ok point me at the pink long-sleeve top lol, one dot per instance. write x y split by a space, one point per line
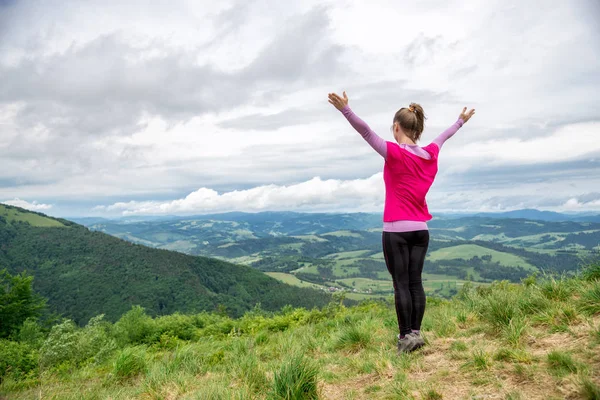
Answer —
408 173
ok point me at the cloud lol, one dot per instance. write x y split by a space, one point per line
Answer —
33 206
313 195
367 195
587 202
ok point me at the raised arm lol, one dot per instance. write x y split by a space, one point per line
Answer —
375 141
448 133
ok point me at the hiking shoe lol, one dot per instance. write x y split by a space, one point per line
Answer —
406 344
418 340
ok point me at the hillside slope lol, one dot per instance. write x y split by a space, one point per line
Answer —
85 273
539 340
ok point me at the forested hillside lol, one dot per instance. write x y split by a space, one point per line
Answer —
84 273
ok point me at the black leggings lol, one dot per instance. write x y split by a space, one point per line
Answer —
404 256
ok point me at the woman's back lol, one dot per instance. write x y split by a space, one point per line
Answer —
408 175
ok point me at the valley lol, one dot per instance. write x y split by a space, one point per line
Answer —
342 252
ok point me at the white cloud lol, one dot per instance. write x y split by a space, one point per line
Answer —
367 195
574 204
313 195
33 206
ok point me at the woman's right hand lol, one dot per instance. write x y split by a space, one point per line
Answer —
465 116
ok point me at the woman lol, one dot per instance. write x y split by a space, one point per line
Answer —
408 173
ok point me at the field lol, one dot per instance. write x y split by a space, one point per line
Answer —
291 279
534 341
467 251
31 218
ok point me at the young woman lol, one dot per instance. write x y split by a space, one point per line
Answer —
408 173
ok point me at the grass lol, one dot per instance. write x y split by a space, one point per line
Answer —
589 389
476 349
589 302
129 362
467 251
353 338
561 362
480 360
296 380
291 279
592 272
343 234
15 215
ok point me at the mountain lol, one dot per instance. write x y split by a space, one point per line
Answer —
343 251
84 273
532 214
226 235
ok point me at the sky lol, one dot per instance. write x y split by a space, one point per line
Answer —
112 108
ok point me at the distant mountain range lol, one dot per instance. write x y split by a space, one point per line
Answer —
369 218
538 215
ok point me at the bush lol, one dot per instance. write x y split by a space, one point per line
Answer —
61 344
31 333
68 343
16 359
135 327
176 325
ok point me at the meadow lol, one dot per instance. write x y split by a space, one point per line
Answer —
536 340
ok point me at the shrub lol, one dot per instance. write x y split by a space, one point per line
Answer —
175 325
61 344
31 333
68 343
134 327
16 359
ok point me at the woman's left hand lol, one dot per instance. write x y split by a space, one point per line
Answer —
338 101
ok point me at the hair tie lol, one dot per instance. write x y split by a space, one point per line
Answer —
412 109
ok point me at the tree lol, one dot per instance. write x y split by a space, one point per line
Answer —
18 301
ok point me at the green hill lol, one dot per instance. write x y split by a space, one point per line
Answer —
84 273
538 340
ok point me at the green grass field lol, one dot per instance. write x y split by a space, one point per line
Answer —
364 284
535 341
347 254
343 234
466 251
310 238
32 219
291 279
